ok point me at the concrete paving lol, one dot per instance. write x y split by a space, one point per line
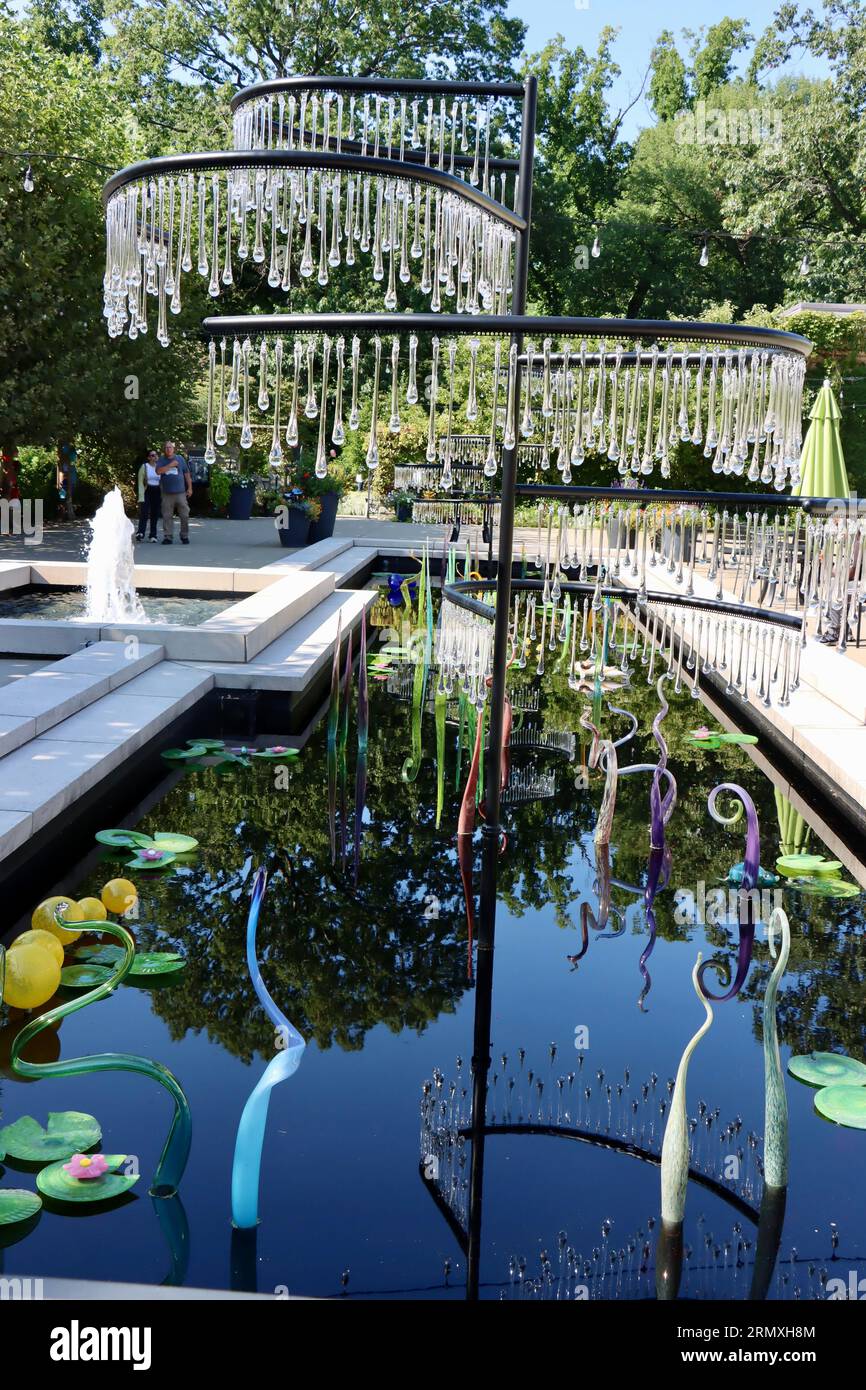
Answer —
230 544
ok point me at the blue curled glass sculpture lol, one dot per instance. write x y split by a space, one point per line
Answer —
748 884
251 1128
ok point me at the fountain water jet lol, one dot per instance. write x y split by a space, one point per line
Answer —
111 595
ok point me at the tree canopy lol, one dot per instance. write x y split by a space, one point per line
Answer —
764 169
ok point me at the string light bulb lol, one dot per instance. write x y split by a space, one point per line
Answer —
596 246
28 179
705 253
804 264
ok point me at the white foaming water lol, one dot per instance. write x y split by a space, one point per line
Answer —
111 595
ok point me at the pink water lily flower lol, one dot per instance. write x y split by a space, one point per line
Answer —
86 1166
152 853
702 732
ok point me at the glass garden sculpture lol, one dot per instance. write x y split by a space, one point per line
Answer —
363 736
775 1099
332 728
251 1128
749 881
675 1146
172 1161
841 1080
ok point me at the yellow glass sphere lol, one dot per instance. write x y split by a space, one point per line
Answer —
119 894
43 918
32 976
93 909
44 939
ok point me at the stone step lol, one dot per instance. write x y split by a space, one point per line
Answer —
296 658
42 779
311 557
346 565
38 702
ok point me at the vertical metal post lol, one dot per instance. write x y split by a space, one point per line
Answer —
491 830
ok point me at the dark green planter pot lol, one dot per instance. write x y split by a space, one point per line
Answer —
403 511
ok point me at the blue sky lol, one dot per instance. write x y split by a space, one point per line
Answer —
639 23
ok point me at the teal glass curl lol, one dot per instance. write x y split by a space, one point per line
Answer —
251 1128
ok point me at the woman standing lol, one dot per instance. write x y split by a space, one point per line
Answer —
149 496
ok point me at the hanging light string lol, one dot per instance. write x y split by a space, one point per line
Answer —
26 159
704 236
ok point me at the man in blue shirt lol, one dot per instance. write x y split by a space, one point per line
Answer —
176 483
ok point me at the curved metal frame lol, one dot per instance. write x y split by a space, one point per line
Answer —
215 161
460 594
480 324
375 85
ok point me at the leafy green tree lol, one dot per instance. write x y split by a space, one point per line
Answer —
581 163
713 54
668 87
60 376
218 42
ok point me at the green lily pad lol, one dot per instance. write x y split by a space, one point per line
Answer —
175 844
825 887
145 962
17 1204
844 1105
69 1132
166 858
84 976
157 963
830 1069
276 755
796 865
212 745
55 1182
737 738
122 839
197 750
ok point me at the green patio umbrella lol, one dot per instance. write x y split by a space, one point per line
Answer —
822 464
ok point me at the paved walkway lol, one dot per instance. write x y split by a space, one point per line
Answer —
225 544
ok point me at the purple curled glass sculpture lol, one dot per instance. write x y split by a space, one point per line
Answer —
751 869
251 1128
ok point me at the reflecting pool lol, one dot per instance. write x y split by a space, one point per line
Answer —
379 981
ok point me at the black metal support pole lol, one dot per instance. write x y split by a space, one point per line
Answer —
491 831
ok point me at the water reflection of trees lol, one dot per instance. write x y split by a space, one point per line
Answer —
821 1002
394 952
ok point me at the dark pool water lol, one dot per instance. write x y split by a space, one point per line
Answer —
64 605
375 978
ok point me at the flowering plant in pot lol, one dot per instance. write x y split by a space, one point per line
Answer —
327 491
401 499
295 517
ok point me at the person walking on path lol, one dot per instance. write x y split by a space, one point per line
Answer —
176 484
67 477
149 497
